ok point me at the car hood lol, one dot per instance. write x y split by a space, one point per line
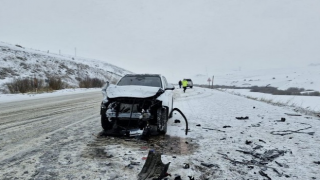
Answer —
131 91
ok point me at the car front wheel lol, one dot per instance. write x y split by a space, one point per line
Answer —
162 119
105 123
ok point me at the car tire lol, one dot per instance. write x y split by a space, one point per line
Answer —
105 123
191 87
162 119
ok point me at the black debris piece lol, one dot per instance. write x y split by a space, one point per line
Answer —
210 165
153 167
241 118
223 139
316 162
213 129
226 126
264 174
248 142
291 114
286 132
255 125
254 107
134 163
281 120
191 177
279 164
262 140
177 178
258 147
198 125
266 157
110 156
177 121
245 152
186 166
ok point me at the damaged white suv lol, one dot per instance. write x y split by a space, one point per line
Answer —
137 101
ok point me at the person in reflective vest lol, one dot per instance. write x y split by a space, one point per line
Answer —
184 85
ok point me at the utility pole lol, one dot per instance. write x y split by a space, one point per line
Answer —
212 81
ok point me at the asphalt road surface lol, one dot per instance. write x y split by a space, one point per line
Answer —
34 133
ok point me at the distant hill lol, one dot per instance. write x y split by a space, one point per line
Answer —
19 62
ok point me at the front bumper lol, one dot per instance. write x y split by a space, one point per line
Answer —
128 116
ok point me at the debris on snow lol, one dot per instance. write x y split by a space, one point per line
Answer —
186 166
264 174
286 132
209 165
262 140
255 125
281 120
241 118
316 162
213 129
153 167
291 114
258 147
134 163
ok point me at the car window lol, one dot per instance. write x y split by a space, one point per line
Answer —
165 82
152 81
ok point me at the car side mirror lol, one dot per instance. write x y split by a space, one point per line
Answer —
170 87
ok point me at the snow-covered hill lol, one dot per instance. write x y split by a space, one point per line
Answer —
17 61
282 78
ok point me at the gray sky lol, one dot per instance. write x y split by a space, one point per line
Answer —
177 38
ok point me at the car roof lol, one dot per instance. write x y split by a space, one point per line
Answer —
156 75
188 79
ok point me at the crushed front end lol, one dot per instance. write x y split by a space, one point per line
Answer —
131 113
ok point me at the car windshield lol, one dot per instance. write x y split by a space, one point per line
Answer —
152 81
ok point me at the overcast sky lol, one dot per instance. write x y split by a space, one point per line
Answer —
177 38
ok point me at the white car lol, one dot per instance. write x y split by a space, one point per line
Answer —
137 101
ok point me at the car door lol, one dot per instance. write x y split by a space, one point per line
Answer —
168 95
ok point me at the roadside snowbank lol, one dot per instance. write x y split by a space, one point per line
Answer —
4 98
311 103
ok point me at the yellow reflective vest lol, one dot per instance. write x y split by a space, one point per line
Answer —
184 83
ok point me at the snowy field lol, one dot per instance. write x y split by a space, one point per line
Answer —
283 78
62 139
310 103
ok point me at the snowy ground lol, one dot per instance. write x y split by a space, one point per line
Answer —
59 138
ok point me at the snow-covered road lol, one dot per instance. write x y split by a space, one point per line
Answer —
60 138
